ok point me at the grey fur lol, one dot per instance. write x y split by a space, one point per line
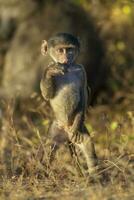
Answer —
65 87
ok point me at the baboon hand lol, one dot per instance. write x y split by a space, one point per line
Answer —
54 70
76 137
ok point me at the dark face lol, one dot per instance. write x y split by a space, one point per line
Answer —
64 54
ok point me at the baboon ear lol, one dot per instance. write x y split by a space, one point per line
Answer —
44 47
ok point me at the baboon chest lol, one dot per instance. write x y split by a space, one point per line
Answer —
67 95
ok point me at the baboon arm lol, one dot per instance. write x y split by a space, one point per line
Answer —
47 87
80 116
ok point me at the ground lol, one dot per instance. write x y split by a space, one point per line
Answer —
25 148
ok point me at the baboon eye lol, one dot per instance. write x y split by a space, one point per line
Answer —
60 50
70 50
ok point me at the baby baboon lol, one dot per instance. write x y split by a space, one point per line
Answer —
64 85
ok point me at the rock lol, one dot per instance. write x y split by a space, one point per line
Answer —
24 63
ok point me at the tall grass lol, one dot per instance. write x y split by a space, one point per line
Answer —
25 173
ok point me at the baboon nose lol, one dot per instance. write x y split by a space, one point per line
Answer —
65 61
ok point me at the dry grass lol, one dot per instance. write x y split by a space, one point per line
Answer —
24 144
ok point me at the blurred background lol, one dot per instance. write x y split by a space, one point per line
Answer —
105 29
106 32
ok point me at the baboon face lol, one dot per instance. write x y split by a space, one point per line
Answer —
64 54
63 48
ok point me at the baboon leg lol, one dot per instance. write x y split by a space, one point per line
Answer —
59 137
53 150
88 150
75 158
